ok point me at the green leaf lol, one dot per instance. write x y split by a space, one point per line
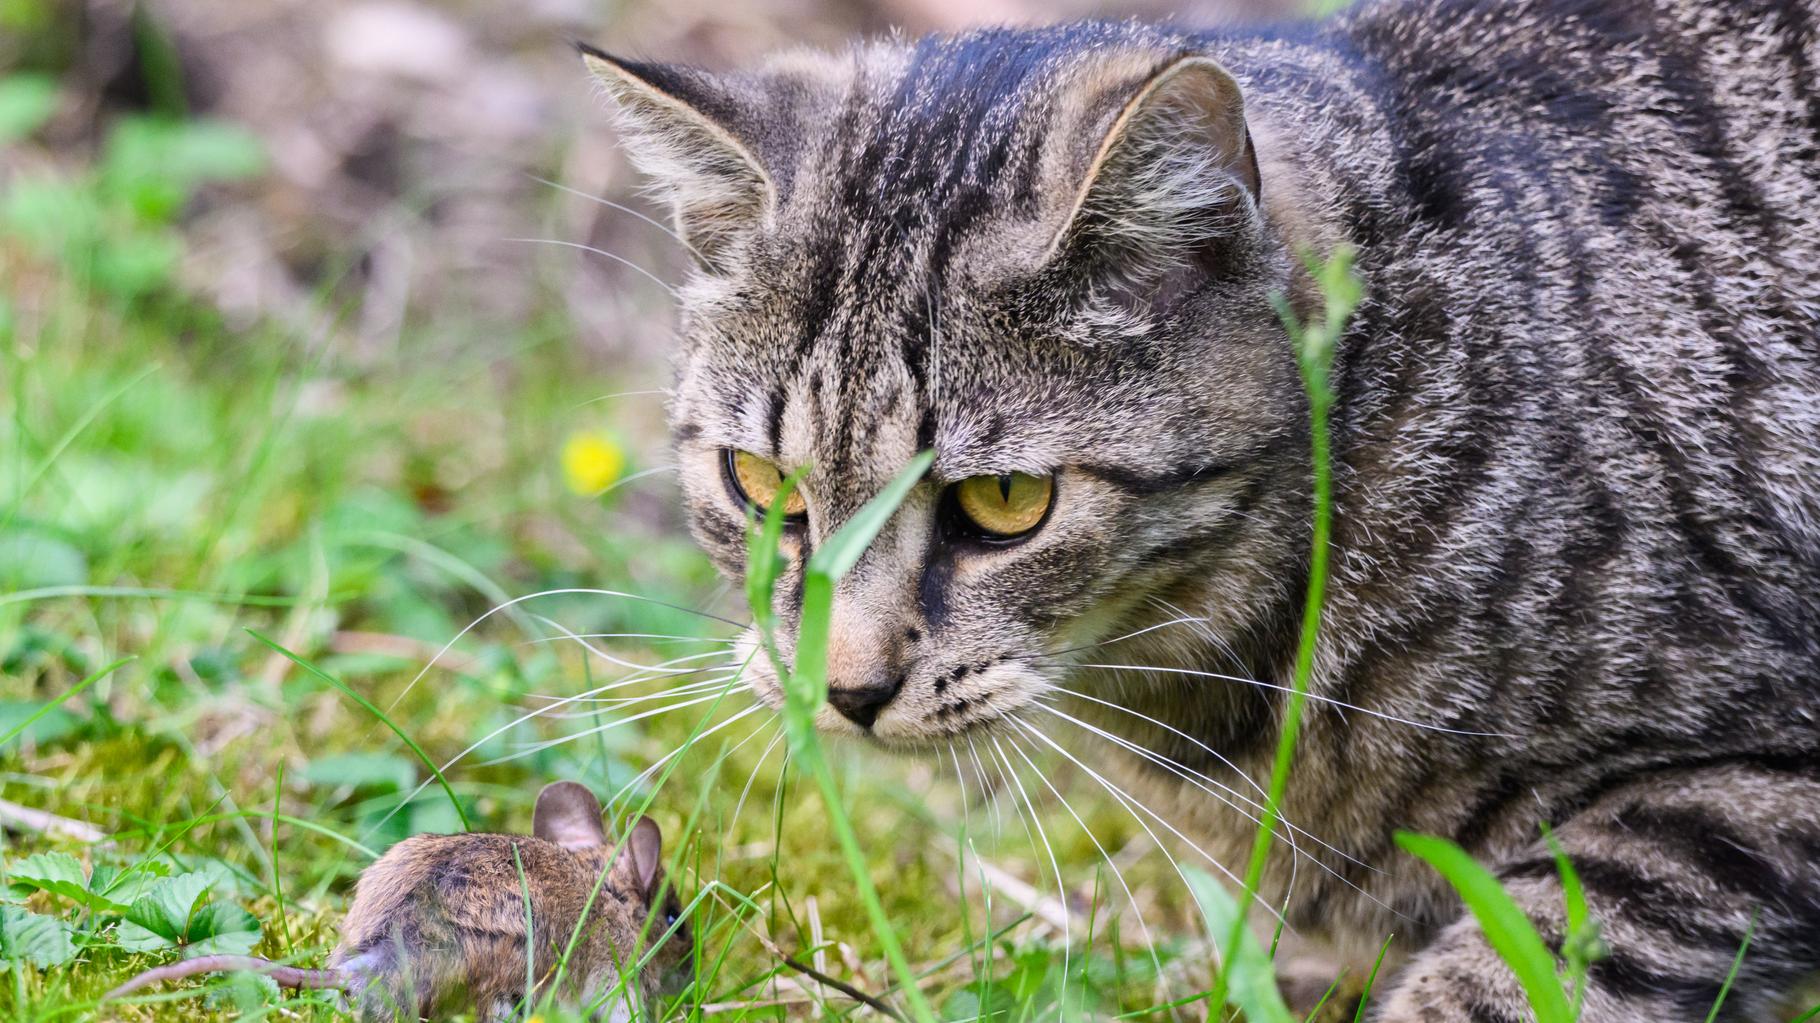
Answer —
222 927
1251 982
40 727
26 102
152 164
841 552
1506 927
167 906
134 938
122 887
43 941
60 874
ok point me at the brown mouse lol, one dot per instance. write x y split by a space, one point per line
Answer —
437 924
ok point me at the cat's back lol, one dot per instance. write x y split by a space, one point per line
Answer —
1595 227
1635 106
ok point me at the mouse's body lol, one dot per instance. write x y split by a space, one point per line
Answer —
439 923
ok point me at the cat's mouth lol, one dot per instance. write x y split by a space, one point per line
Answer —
928 709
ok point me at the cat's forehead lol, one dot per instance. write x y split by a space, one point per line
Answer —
881 310
898 152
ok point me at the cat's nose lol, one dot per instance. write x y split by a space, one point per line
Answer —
861 704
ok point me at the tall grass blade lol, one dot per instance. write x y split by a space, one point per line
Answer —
60 699
373 709
1314 345
1506 927
805 683
1252 984
1371 980
1732 974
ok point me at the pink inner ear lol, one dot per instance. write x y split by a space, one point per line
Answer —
646 846
568 815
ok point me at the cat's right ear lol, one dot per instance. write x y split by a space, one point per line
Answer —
676 125
1172 171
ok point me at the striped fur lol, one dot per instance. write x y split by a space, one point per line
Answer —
1578 433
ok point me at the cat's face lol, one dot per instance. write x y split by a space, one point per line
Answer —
1054 275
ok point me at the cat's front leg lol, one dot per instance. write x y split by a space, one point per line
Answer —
1677 869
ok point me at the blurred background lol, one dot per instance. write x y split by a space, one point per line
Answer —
325 341
400 142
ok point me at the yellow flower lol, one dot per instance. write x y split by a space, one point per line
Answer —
591 461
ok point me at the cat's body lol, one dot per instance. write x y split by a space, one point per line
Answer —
1576 558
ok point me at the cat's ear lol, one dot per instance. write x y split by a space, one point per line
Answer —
1174 172
677 125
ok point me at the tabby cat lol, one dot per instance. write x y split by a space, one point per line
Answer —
1576 555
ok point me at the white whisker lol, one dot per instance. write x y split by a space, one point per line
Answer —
1143 926
1286 689
620 394
654 637
1201 781
598 705
1184 620
998 819
515 601
539 747
639 778
659 281
1061 885
610 204
740 806
1123 796
1209 750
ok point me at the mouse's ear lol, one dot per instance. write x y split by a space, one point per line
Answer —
568 815
641 856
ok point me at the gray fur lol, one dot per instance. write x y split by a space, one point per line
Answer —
1577 542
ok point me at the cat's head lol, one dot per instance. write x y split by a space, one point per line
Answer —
1042 255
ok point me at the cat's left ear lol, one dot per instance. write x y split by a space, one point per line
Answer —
1175 170
680 127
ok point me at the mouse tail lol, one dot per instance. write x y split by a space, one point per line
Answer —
285 976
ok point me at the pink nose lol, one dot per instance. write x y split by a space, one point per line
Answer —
861 704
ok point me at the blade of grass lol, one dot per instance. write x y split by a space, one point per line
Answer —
1582 945
524 893
60 699
1314 346
1371 979
805 682
1732 974
69 437
1243 963
284 919
374 710
1505 926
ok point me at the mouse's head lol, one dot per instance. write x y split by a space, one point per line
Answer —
568 815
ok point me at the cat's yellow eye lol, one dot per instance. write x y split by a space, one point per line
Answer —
1006 505
758 482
